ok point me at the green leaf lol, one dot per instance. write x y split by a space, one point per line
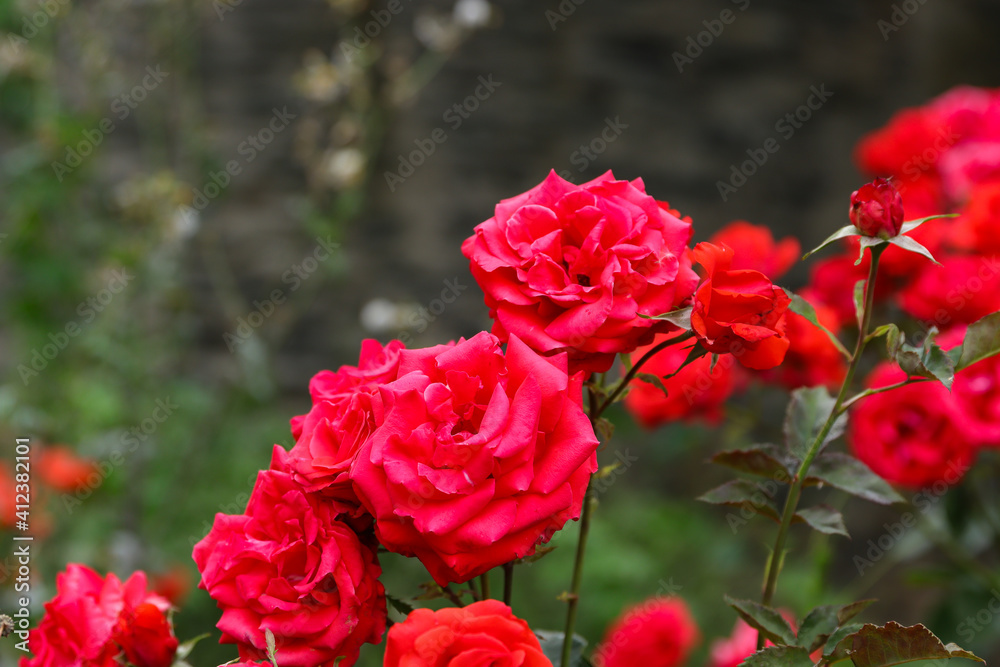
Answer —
847 473
929 361
653 380
680 318
849 611
271 648
552 643
778 656
910 225
838 644
907 243
769 621
184 650
870 242
982 340
761 460
822 623
807 412
842 233
824 519
859 300
800 306
404 608
894 644
744 494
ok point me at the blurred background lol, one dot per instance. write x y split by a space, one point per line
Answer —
204 203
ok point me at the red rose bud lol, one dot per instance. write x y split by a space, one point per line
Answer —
877 209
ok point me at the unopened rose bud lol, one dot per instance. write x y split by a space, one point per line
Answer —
877 209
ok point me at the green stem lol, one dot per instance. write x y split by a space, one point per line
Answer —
635 371
484 581
879 390
795 492
573 597
508 582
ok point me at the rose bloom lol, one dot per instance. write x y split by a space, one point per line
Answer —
572 267
960 290
482 633
696 391
59 467
755 248
739 312
913 436
481 456
289 565
977 390
95 621
346 409
877 209
812 360
659 632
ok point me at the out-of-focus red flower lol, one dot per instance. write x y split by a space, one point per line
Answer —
877 209
978 227
173 584
960 290
697 391
60 467
145 635
659 632
731 651
831 282
738 312
915 435
755 248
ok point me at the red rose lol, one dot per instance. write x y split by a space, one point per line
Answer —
696 391
877 209
92 620
914 436
738 312
977 390
979 225
903 142
145 636
480 456
289 565
59 467
482 633
812 360
572 267
346 409
657 633
754 248
960 290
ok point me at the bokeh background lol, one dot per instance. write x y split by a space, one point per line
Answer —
120 118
